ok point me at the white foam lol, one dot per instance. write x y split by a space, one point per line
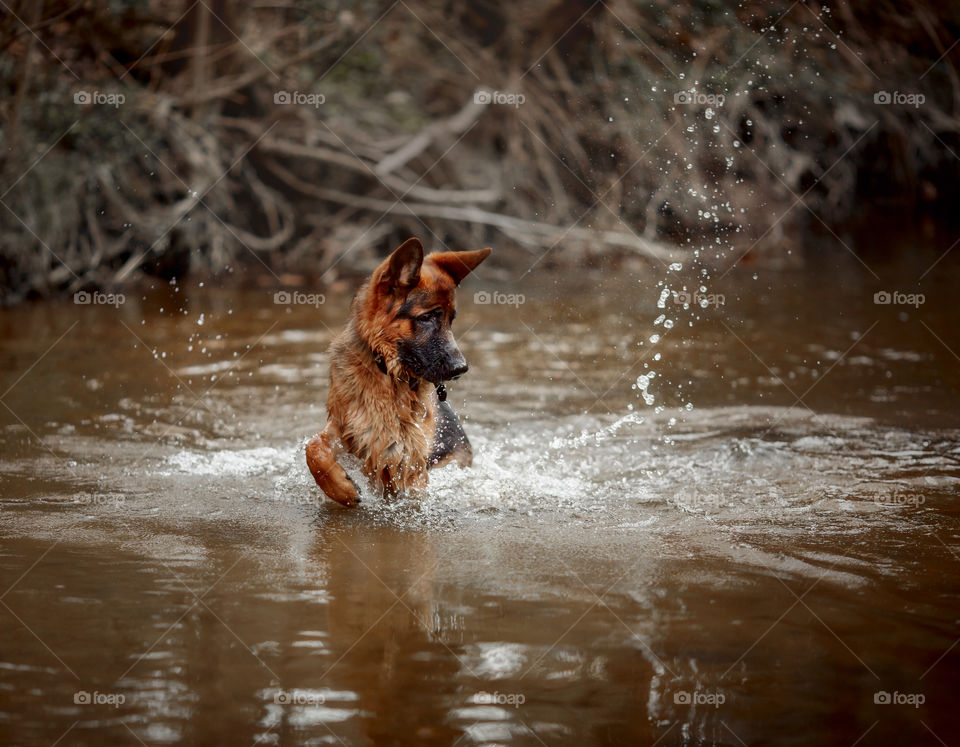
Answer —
263 460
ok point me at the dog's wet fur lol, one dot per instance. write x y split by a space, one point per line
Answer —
383 405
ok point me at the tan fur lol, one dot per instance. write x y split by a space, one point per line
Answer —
378 417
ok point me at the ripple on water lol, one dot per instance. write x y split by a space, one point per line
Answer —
770 470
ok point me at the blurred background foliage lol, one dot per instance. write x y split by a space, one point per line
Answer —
303 140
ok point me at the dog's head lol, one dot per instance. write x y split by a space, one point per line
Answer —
407 309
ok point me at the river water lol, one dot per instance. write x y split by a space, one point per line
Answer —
765 553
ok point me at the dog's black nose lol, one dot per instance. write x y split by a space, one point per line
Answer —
459 371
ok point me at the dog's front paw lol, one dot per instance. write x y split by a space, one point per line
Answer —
354 497
330 476
342 489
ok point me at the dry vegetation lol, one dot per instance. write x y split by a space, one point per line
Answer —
203 167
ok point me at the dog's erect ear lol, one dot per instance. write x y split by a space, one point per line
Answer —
459 264
401 270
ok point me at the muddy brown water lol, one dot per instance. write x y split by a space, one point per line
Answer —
767 553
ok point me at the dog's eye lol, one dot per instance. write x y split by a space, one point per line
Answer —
431 316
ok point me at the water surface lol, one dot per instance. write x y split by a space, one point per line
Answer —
763 554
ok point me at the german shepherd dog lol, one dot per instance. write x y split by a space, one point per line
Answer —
387 403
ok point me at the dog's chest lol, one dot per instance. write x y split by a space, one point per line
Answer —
412 432
397 437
